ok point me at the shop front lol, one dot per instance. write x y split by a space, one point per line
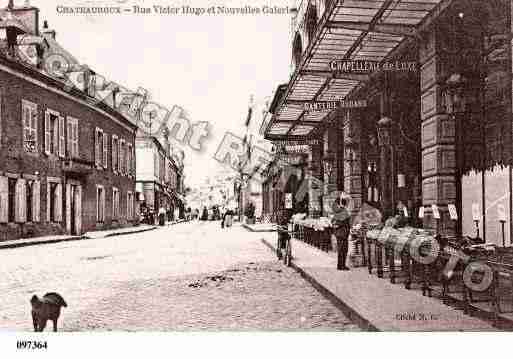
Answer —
406 107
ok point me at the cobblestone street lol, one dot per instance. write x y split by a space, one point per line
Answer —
191 276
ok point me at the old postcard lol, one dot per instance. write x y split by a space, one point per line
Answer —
233 166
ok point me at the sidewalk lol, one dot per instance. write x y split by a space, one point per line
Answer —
373 303
260 227
24 242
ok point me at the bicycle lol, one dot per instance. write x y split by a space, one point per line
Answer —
284 251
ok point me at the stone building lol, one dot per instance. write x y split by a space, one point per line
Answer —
159 175
67 164
433 128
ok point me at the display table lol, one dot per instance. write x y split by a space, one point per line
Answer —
316 232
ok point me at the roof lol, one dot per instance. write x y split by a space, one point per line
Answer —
369 30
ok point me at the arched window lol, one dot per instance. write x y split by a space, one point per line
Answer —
297 50
311 22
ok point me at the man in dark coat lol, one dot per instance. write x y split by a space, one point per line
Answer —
342 227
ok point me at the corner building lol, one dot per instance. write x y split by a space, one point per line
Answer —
437 135
67 164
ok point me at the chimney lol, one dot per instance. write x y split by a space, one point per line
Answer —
10 6
46 32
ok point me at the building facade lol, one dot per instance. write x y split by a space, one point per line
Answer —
405 106
68 162
159 176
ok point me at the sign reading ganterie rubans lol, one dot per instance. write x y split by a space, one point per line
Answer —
332 105
366 66
307 142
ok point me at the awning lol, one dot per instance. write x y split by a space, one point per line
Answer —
369 30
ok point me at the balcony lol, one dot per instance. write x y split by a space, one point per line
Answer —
77 166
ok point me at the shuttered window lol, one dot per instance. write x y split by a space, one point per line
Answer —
72 135
115 203
20 203
29 119
105 150
4 199
99 148
122 160
62 137
100 204
114 153
54 133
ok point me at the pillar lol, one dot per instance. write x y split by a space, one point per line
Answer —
386 165
315 180
438 134
352 159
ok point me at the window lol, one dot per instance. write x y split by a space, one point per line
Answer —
4 199
100 149
29 116
115 153
115 203
105 150
28 203
54 133
122 160
129 205
129 159
100 204
73 137
54 201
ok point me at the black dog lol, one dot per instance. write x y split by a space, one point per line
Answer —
47 308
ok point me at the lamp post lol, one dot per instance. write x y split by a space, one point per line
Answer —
454 96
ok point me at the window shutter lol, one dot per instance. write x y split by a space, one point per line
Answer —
48 199
58 203
113 153
75 138
105 149
69 151
55 140
48 133
20 203
128 155
62 137
96 146
36 201
68 207
120 141
78 208
4 199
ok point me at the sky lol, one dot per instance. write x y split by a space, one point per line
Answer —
209 65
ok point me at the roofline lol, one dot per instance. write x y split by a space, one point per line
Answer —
41 79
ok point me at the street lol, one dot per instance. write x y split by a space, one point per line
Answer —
191 276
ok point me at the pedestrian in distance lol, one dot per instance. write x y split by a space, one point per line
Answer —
342 226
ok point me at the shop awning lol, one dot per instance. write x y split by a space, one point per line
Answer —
370 30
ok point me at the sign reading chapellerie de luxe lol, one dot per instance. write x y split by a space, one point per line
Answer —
365 66
332 105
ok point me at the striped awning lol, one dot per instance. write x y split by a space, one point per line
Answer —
369 30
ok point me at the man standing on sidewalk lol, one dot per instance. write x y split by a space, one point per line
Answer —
342 226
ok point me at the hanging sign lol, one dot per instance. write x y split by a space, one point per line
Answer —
476 212
288 200
332 105
453 212
421 212
366 66
436 211
501 213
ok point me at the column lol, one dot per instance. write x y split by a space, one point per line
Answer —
315 180
386 166
438 135
351 151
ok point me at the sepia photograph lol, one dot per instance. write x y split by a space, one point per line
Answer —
307 168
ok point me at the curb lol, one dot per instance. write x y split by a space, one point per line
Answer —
349 312
35 243
247 227
21 244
